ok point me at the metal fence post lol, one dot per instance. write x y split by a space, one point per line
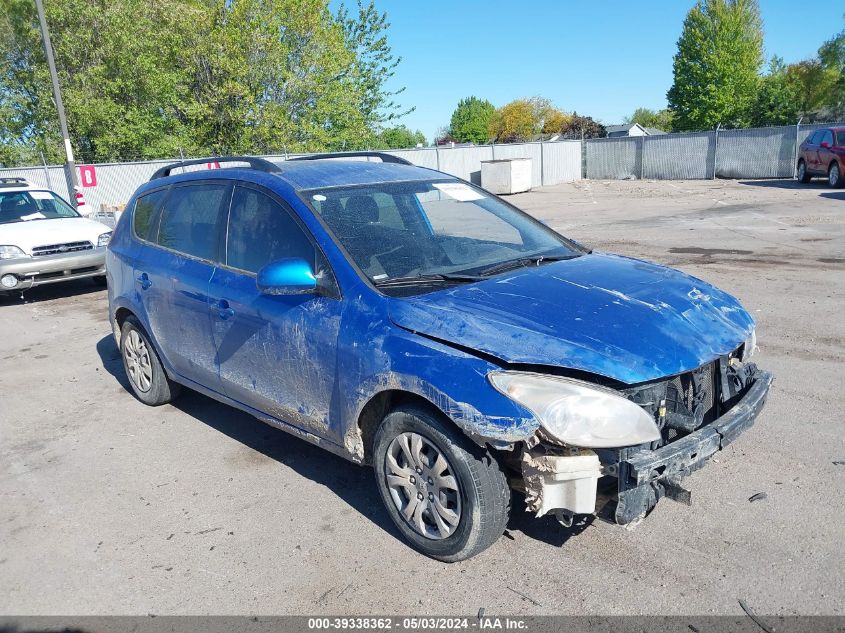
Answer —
493 150
716 150
642 156
542 166
46 170
437 155
583 156
797 144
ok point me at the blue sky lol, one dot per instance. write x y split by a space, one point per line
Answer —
600 58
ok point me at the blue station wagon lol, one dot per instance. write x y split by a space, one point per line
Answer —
411 321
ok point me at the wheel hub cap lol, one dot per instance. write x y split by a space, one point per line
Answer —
423 486
138 364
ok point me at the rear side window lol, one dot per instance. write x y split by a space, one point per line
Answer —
840 138
145 208
190 219
262 231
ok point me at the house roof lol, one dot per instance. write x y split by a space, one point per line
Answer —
621 128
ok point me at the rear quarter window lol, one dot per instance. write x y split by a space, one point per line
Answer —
145 208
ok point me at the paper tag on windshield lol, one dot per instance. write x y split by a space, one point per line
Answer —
41 195
458 191
34 216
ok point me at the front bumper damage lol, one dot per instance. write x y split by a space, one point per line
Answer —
565 481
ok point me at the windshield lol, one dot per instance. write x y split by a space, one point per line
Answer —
429 229
26 206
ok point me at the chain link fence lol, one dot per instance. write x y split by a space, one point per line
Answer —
552 163
769 152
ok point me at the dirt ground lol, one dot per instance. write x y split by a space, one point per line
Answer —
110 507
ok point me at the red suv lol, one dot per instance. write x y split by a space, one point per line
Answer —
823 154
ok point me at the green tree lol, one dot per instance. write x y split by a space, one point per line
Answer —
513 122
660 119
832 58
121 91
145 79
400 137
471 120
555 121
523 119
815 84
373 64
583 127
548 119
778 100
270 75
716 68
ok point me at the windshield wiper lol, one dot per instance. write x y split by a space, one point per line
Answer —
522 262
426 279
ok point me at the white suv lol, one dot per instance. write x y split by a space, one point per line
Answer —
43 240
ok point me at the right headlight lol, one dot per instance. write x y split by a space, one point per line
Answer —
578 413
11 252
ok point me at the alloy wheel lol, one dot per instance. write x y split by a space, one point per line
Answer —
138 363
423 486
833 176
802 171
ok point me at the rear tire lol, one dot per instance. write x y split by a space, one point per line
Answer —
803 174
454 492
834 176
147 377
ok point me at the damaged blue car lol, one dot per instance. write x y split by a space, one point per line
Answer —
411 321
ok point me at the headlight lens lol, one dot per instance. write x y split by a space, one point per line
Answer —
10 252
578 413
104 238
750 346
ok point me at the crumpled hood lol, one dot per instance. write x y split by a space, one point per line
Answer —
27 235
618 317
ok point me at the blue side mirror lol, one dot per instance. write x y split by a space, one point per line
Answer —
293 276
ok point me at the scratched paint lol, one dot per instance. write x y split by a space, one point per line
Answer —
609 315
315 362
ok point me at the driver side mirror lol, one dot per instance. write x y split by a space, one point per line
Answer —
292 276
825 145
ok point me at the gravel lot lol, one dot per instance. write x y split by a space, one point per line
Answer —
110 507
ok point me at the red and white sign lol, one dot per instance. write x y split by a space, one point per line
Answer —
214 165
88 175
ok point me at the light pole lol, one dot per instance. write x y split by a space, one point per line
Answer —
70 168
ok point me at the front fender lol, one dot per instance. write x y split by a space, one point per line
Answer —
453 381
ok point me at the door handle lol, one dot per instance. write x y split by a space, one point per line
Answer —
222 309
144 280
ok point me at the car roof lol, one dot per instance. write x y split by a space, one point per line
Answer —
311 174
17 184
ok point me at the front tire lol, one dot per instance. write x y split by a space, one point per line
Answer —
834 176
147 377
448 497
803 175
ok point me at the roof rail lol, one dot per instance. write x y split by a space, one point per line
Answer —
384 156
253 162
13 181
